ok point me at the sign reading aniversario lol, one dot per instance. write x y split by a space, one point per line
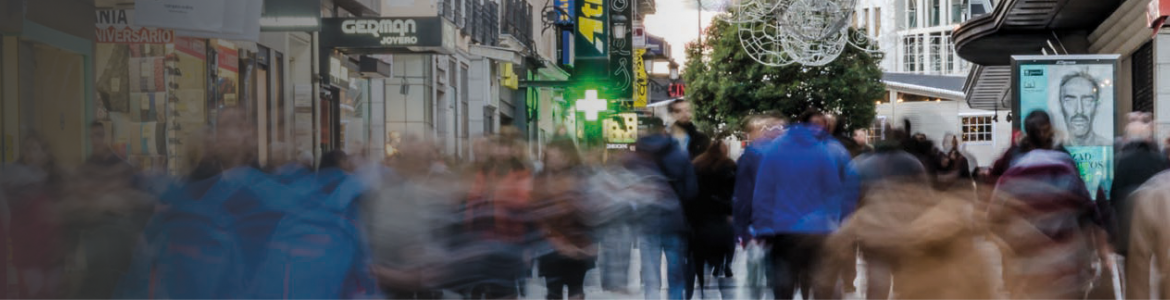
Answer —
382 32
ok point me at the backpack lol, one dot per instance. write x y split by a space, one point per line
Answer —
319 251
209 241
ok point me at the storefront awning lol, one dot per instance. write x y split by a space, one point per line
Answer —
935 86
988 87
497 53
1027 27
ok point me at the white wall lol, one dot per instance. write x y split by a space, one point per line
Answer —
936 119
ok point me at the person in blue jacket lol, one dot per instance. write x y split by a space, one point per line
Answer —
804 189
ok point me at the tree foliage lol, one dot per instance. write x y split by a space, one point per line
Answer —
726 85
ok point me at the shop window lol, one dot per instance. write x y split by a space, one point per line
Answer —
978 128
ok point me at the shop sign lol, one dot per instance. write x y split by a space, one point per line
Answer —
641 79
193 47
592 30
382 32
116 26
1156 13
621 128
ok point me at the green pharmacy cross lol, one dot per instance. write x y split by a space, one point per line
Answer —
591 105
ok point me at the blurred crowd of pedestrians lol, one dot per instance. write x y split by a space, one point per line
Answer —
803 203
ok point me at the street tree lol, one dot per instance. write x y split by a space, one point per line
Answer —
726 85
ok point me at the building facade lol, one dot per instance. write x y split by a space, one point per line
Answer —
924 75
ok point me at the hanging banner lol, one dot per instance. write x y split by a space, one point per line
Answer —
291 15
241 22
218 19
1078 93
199 15
116 26
642 80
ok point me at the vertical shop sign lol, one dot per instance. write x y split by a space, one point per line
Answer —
621 64
1078 93
591 41
642 80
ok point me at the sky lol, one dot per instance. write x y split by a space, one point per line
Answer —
677 22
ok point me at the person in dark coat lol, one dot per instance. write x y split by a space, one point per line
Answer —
1137 161
664 226
689 138
713 240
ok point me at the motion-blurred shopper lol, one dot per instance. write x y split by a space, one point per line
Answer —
804 189
561 211
1137 161
1149 243
664 225
713 238
32 186
1047 219
408 221
885 172
929 244
692 141
761 130
104 216
496 217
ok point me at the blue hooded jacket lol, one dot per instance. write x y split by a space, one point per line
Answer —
804 185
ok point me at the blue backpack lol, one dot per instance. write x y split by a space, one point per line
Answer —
319 251
211 239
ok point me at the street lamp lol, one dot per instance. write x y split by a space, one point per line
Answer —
619 27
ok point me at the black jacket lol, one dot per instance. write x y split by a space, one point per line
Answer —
1137 162
659 153
698 140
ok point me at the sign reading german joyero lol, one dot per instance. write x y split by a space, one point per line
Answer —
382 32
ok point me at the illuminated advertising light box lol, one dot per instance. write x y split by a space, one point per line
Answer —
1078 92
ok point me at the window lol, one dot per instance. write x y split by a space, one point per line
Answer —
950 56
910 63
877 22
936 52
978 129
935 12
877 130
912 14
957 11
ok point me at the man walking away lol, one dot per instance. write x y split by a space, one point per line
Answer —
664 226
804 188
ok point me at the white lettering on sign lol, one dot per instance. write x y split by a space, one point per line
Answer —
399 40
377 28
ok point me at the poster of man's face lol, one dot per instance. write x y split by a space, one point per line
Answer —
1081 103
